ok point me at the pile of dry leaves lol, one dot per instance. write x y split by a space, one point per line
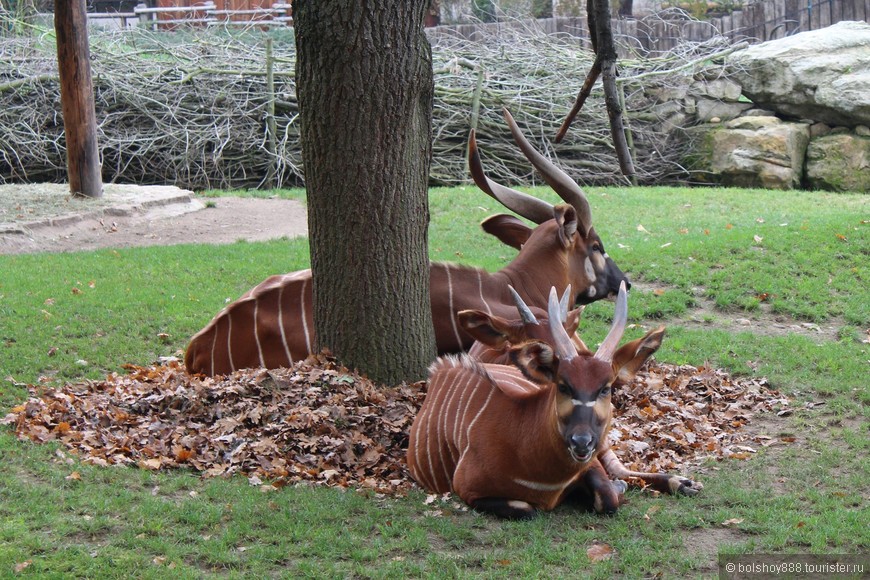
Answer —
318 422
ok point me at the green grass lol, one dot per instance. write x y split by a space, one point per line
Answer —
696 248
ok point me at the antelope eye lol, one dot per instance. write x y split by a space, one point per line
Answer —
565 389
596 247
604 392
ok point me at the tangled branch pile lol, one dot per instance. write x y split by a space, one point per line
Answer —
323 424
190 108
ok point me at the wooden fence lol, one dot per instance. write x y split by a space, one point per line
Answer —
167 15
661 32
656 33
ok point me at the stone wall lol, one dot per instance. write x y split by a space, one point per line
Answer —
790 113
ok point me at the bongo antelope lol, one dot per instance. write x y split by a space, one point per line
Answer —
494 337
513 439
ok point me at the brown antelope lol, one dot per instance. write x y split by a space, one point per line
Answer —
494 337
272 324
513 439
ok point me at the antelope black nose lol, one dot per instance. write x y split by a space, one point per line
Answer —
582 443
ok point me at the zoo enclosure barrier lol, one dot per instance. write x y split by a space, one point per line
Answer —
656 33
205 13
663 31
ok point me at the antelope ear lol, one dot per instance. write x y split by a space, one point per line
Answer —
573 322
536 360
508 229
490 330
566 218
630 357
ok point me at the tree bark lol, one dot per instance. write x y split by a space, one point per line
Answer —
601 35
365 88
77 98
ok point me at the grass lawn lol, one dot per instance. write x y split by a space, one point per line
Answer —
773 284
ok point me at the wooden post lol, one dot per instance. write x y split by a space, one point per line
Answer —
77 98
271 123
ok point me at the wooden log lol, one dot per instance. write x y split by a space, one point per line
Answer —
77 98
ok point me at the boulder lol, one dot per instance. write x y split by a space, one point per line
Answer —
719 89
839 162
762 152
822 75
708 109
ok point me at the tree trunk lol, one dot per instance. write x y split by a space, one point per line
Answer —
365 89
77 98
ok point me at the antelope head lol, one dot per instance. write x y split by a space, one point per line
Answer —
578 384
565 232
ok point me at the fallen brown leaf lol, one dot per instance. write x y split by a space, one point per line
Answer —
598 552
319 423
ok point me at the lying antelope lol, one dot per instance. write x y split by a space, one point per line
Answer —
272 324
513 439
494 337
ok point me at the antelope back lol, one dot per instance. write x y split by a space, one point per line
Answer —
270 325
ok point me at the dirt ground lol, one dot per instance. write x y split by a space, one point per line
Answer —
44 218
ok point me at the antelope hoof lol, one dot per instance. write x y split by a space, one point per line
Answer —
619 486
506 508
684 486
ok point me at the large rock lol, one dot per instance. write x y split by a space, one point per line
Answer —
762 152
839 163
822 75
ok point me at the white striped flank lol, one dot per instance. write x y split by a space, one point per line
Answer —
281 326
421 444
457 424
447 413
257 333
213 346
302 315
437 410
441 430
470 425
230 342
452 309
480 292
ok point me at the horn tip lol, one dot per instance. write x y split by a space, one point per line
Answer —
553 294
